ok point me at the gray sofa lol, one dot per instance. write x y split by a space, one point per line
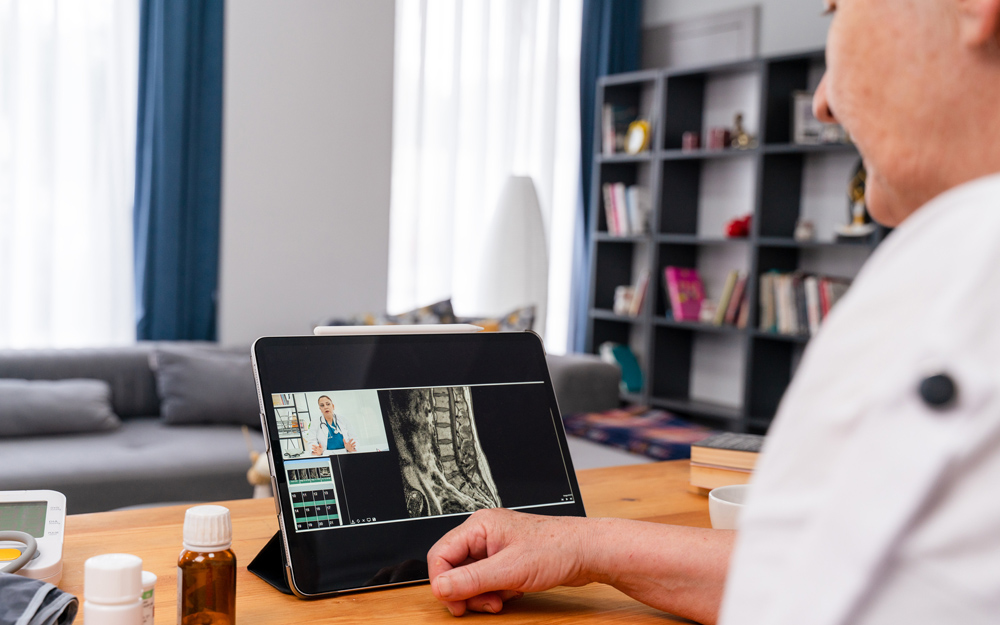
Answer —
146 461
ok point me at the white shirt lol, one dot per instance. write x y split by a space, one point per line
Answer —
868 505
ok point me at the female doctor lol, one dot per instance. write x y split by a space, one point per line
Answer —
874 500
329 434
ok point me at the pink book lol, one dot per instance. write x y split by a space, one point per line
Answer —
686 292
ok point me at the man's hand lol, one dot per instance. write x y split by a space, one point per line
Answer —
498 555
350 445
317 450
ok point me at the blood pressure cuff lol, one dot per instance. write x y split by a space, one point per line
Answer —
25 601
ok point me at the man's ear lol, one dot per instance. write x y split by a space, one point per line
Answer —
978 21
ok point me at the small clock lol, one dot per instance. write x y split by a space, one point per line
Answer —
637 137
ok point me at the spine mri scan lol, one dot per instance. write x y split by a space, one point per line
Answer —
442 464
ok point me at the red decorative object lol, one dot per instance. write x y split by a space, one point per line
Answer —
718 138
690 141
738 228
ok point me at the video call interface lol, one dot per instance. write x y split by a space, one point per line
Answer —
394 455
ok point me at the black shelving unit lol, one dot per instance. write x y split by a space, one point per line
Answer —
781 184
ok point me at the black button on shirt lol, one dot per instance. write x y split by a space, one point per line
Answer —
938 391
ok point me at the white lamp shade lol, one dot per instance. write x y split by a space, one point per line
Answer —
514 266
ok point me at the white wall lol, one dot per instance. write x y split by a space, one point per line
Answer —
306 163
786 25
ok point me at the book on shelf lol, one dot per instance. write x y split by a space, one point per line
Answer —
744 314
737 301
629 298
724 459
624 358
728 293
685 292
615 119
610 215
639 294
797 303
626 208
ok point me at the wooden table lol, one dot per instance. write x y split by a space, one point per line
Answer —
650 492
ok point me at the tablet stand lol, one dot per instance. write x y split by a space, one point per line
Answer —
269 565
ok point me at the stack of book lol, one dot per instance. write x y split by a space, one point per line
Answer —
626 209
797 303
686 294
722 460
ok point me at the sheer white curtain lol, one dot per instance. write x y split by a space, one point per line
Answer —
68 93
483 89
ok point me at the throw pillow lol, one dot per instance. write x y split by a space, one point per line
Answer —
39 407
520 320
440 312
198 385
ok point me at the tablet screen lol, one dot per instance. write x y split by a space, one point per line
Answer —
381 444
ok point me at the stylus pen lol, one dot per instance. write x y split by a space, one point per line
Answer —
444 328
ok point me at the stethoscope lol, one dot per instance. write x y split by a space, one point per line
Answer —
30 547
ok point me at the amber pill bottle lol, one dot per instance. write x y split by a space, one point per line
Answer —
206 569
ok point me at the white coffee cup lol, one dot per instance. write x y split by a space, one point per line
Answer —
725 504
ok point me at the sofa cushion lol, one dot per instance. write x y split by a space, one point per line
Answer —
39 407
199 385
125 369
144 461
518 320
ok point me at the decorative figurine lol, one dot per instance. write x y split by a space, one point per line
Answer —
738 228
690 141
861 223
805 231
718 138
637 137
741 139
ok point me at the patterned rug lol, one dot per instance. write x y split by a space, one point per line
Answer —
640 430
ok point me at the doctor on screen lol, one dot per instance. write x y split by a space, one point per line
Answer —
329 434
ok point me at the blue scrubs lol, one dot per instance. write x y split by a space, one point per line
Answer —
334 439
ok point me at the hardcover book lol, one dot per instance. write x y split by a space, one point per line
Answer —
686 292
728 450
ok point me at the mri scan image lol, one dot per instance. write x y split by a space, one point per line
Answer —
442 464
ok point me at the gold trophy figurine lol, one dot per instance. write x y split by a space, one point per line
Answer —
742 140
861 224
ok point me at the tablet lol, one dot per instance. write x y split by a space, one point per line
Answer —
381 444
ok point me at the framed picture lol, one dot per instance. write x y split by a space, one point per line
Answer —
809 130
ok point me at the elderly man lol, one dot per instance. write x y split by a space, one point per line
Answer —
875 499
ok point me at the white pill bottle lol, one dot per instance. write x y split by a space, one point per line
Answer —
112 589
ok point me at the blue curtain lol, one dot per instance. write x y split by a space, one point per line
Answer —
178 169
611 43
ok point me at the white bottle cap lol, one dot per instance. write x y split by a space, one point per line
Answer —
207 528
148 581
112 578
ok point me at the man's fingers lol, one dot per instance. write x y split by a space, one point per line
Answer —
491 602
477 578
457 547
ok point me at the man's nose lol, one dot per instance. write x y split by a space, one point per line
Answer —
821 104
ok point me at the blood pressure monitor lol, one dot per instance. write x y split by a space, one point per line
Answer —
42 514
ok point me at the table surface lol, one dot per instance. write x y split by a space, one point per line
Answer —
649 492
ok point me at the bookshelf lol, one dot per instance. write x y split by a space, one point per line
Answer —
721 375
